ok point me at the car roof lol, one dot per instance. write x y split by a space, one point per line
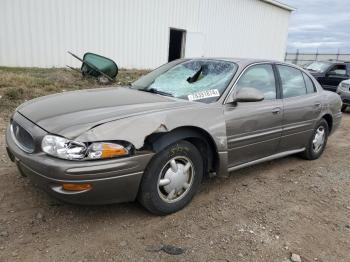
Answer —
333 62
240 61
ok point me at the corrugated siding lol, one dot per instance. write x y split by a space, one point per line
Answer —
135 33
245 28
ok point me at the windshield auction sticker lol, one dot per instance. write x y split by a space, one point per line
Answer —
203 94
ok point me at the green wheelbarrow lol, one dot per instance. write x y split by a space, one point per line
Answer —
100 67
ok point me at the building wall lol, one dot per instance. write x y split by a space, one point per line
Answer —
135 33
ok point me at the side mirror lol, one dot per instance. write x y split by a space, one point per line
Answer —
248 94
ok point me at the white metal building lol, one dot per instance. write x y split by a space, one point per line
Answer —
139 33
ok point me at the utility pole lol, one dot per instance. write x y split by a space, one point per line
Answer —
296 57
338 54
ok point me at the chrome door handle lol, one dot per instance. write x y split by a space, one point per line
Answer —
276 111
317 105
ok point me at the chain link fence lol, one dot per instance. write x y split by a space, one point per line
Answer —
302 59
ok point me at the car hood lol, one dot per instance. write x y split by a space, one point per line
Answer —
71 113
316 74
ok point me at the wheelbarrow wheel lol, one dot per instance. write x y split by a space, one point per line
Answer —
103 80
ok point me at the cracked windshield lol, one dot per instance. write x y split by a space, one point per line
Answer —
203 80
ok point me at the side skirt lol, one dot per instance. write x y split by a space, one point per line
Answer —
269 158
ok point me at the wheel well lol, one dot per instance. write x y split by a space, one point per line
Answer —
201 139
329 120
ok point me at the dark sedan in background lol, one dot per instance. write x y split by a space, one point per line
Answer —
155 140
329 73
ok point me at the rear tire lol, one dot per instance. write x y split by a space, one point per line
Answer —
171 179
317 141
343 108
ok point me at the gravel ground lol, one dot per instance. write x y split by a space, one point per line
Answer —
261 213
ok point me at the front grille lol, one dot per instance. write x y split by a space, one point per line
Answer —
22 137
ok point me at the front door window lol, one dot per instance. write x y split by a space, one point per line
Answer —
260 77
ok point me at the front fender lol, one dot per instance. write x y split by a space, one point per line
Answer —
136 129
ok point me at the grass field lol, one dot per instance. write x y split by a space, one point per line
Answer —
20 84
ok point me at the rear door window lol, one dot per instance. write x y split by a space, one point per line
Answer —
310 87
293 83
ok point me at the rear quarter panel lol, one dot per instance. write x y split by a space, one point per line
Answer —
331 105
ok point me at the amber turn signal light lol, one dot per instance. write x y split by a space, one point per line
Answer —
112 150
76 187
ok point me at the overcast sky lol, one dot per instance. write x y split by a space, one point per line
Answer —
322 24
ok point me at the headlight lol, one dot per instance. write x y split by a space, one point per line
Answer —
67 149
344 86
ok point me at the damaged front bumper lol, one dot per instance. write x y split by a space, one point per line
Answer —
111 181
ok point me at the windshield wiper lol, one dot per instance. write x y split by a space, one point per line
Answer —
156 91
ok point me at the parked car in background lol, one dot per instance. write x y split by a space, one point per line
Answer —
329 74
155 140
344 91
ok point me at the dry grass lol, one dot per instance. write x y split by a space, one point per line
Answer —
20 84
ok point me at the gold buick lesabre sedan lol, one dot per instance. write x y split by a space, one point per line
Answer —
154 140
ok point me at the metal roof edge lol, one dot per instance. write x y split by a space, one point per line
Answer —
280 4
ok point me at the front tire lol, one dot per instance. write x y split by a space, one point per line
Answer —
317 142
343 108
171 179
